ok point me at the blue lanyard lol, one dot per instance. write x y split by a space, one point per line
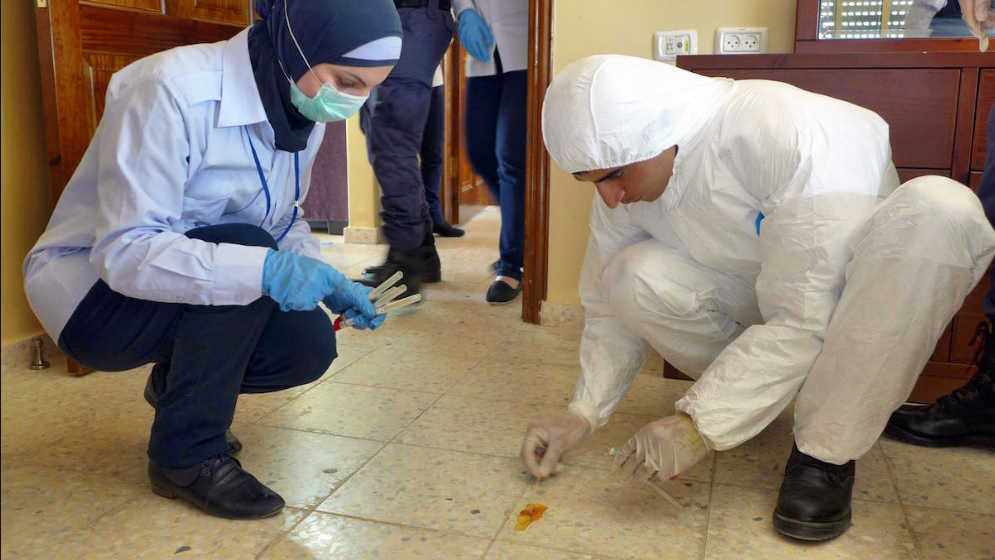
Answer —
262 179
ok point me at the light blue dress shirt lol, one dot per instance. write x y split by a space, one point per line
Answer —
170 154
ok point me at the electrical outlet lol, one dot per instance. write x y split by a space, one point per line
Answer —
740 40
667 45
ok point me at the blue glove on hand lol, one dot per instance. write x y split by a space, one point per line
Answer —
475 35
344 302
298 283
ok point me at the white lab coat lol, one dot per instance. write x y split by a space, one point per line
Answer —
171 153
509 23
736 271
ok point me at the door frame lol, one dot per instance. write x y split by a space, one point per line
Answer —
537 162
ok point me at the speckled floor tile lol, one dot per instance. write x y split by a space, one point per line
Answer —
651 395
323 535
945 534
540 384
434 489
303 467
504 550
596 512
430 370
760 463
741 527
352 410
485 426
153 528
960 479
46 506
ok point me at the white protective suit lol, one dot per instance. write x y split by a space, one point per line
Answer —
781 261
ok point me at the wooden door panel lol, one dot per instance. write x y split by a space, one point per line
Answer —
986 99
101 68
153 6
234 12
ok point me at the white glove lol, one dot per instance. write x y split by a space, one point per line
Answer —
978 16
662 449
548 439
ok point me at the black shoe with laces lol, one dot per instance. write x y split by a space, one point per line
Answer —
964 417
219 486
234 445
814 501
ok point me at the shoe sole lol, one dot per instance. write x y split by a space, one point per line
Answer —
512 300
809 530
171 494
967 440
432 277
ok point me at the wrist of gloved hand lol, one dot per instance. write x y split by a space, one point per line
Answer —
297 282
662 449
474 35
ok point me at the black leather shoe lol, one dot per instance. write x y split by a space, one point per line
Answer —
501 292
964 417
411 263
814 501
445 229
234 445
219 486
432 264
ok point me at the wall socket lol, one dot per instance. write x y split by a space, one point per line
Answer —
667 45
740 40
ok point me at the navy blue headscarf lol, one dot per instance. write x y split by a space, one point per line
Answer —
327 30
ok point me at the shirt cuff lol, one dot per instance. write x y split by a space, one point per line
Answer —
238 273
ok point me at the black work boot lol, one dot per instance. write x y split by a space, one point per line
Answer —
964 417
234 445
411 263
430 257
814 501
219 486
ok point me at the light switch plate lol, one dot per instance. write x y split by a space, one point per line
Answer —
667 45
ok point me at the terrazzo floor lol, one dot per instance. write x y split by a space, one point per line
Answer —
408 448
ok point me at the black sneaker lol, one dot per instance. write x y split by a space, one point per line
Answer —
445 229
814 501
219 486
501 292
234 445
964 417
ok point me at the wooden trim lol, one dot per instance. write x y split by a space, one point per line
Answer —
956 60
964 131
537 162
449 197
843 46
807 20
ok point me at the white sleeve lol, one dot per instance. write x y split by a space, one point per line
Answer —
141 176
299 238
816 189
460 5
610 355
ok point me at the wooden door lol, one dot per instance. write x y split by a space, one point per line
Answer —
82 44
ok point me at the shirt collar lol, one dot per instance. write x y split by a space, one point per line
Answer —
240 102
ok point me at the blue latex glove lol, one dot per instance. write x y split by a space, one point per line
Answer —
475 35
298 283
343 303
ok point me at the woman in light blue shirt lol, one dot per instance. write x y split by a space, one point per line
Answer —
178 240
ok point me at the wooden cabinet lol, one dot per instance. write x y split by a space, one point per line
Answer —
937 106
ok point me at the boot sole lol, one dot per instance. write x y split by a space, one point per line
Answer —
967 440
432 277
810 530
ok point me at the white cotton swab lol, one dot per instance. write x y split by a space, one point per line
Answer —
658 490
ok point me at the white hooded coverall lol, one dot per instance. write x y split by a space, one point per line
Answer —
781 261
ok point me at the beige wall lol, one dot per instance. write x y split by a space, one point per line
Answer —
24 184
364 196
585 27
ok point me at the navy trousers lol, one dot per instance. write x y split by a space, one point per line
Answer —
496 127
432 153
394 118
204 356
987 195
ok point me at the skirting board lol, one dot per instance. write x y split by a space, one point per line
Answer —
363 236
